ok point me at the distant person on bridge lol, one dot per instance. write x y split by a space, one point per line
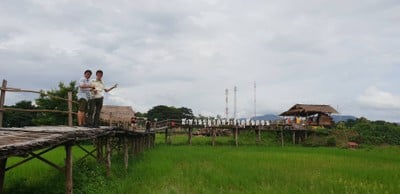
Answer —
96 100
83 97
148 126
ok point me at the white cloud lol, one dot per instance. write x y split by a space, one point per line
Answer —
375 98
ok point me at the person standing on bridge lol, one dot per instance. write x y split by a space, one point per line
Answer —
83 97
96 100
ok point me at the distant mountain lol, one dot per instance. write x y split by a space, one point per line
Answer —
267 117
272 117
338 118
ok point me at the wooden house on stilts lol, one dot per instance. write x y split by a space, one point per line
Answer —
313 115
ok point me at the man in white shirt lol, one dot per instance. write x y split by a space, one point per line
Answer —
83 97
96 100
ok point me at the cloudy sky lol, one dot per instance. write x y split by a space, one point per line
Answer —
344 53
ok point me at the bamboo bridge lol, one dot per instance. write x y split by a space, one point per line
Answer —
30 143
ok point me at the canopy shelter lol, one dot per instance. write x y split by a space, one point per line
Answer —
316 115
305 110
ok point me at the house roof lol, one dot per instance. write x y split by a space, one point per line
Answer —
308 109
117 113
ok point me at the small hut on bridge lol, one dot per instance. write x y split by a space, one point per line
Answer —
117 115
315 115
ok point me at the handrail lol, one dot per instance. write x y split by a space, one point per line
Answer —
35 110
37 92
4 88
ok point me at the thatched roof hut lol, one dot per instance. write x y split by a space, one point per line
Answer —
117 113
322 113
304 110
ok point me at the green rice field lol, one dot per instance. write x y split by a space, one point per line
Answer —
225 168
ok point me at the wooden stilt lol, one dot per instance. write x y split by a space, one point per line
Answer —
2 100
153 142
294 137
68 169
166 135
108 152
70 109
98 150
126 153
236 136
132 140
3 163
148 136
213 136
190 136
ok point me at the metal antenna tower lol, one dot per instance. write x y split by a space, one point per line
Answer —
255 99
226 101
234 103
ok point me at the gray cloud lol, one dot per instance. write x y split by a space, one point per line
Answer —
185 53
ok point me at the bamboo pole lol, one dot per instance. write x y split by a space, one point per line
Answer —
34 110
259 135
126 153
108 150
68 169
166 135
70 109
294 137
3 163
190 136
236 136
148 137
213 136
2 100
282 136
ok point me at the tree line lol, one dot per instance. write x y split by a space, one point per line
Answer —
21 119
362 130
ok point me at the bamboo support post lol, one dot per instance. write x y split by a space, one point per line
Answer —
190 136
166 135
153 139
148 137
132 145
99 149
3 163
143 143
213 136
2 100
68 169
70 109
126 153
108 163
236 136
294 137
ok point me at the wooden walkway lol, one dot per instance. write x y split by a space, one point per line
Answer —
32 142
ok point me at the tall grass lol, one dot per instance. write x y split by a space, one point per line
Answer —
201 168
251 169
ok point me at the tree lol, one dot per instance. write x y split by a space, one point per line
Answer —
139 114
163 112
48 102
18 118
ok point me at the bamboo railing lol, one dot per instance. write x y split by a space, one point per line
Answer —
5 89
